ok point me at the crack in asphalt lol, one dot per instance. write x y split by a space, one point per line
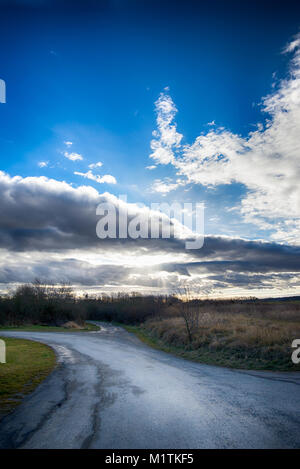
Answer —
96 419
46 417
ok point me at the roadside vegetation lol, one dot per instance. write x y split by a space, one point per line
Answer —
236 341
240 333
27 364
41 306
246 334
68 327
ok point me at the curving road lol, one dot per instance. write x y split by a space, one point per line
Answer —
111 391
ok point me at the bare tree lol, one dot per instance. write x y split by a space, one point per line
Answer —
188 311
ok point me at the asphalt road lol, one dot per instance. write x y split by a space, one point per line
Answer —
111 391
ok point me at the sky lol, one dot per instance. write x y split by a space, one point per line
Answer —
161 102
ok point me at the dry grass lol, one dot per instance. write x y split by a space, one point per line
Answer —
249 339
72 325
39 328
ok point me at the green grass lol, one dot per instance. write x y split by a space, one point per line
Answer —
37 328
27 364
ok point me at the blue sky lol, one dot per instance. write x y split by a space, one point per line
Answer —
91 73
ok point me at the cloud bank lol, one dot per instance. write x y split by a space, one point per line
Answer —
58 242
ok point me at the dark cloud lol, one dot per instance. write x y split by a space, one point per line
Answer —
78 273
48 216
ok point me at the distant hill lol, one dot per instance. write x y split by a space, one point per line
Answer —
284 298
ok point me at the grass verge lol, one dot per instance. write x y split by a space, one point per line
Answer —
224 357
27 364
37 328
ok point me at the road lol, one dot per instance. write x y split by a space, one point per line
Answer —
111 391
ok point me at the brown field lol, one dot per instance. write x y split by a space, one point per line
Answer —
244 335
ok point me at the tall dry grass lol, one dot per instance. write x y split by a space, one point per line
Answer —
261 335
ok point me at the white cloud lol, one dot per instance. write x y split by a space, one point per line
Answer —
43 164
68 143
96 165
107 178
293 45
73 156
165 185
167 139
266 161
151 167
